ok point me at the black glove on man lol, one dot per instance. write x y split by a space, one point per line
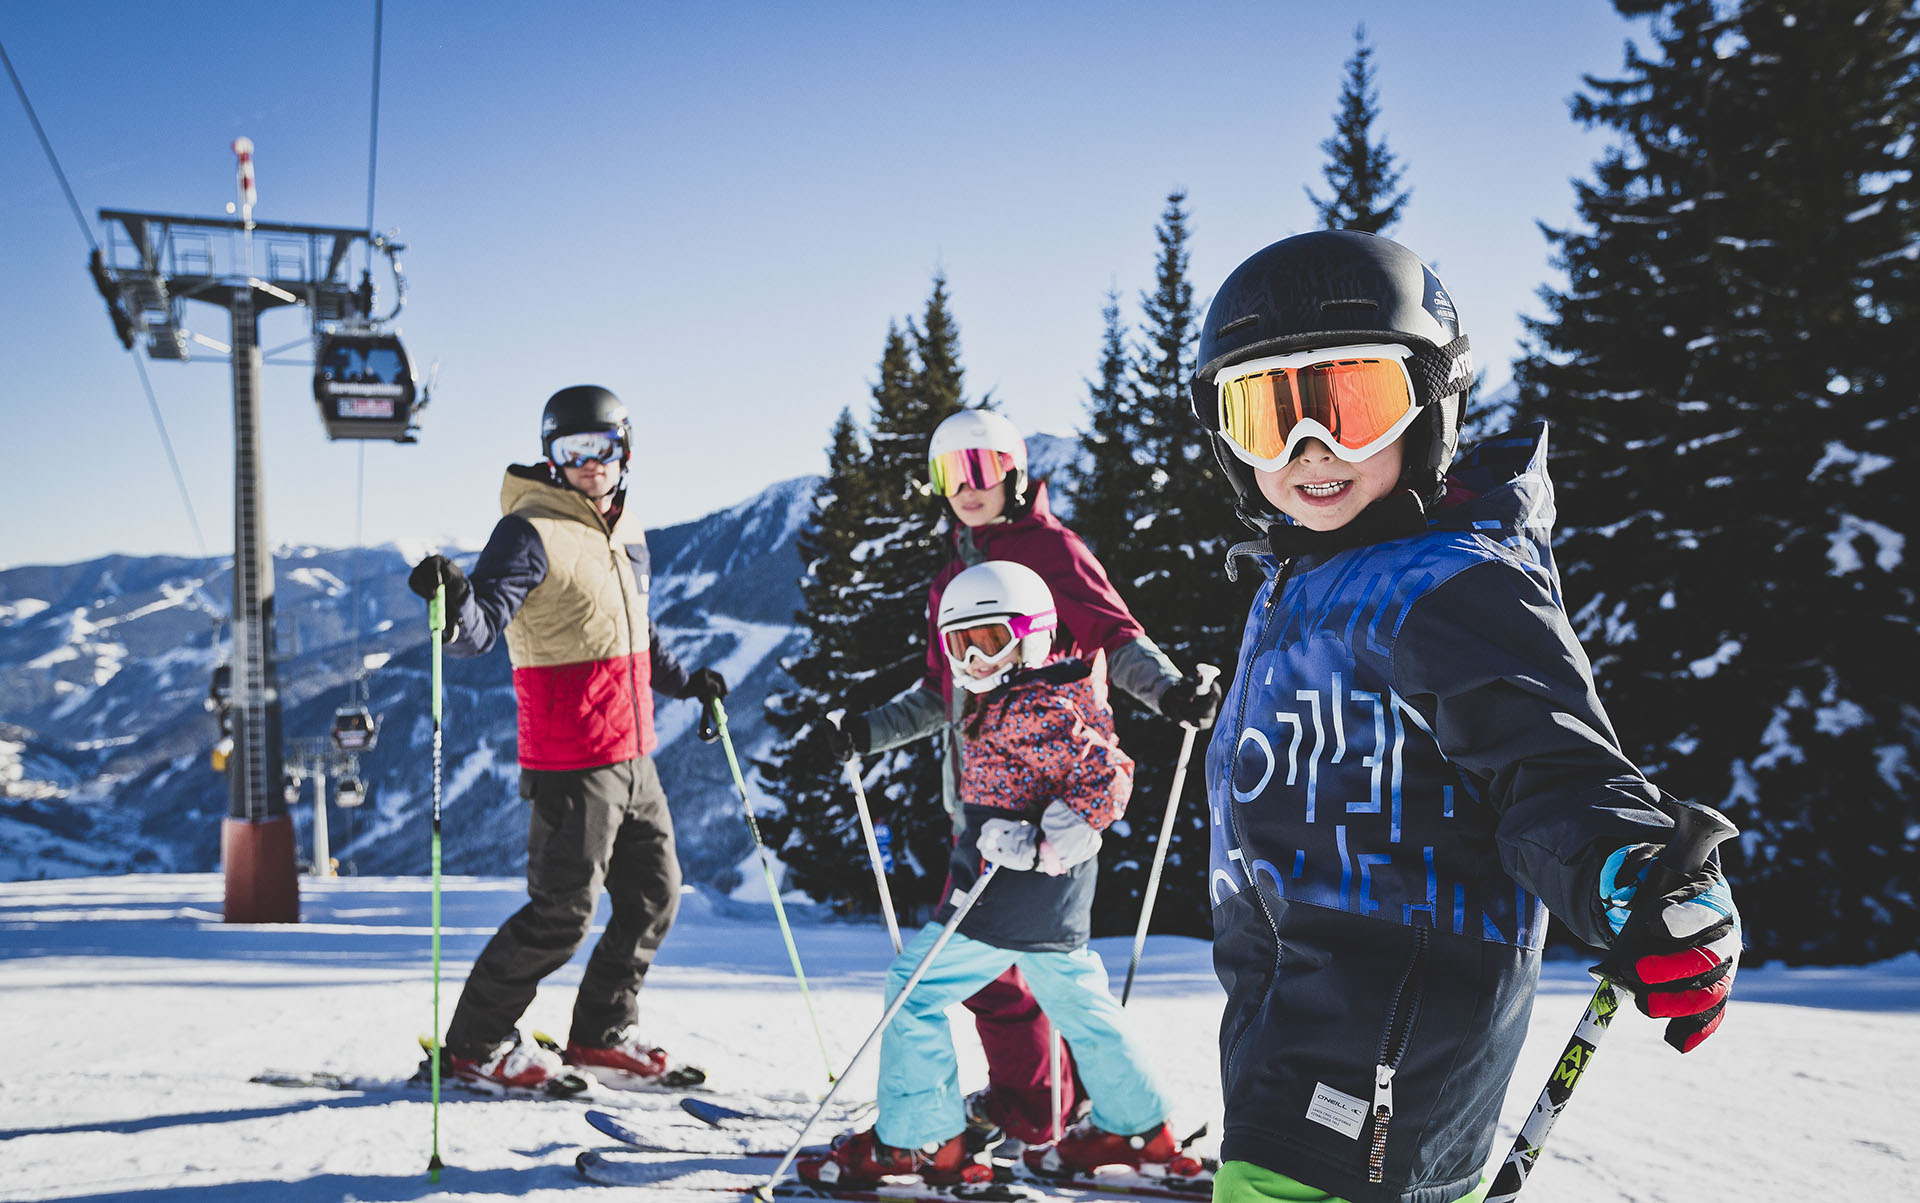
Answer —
849 737
434 571
707 685
1192 701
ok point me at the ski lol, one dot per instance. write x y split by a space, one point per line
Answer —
1114 1180
724 1175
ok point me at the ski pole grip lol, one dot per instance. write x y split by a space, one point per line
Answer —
1206 673
712 718
437 610
1697 831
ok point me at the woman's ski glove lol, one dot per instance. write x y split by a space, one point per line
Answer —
1682 965
707 685
845 736
1009 843
433 572
1066 840
1192 701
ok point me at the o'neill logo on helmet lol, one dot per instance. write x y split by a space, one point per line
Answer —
1438 303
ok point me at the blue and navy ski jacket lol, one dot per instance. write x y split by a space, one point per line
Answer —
1411 769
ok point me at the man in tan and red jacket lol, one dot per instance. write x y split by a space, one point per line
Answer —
564 577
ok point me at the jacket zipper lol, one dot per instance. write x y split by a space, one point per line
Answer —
626 607
1268 611
1402 1010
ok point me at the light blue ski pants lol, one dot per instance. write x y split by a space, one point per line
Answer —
920 1102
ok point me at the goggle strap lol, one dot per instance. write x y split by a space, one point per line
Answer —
1440 372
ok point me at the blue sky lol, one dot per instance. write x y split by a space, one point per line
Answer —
714 209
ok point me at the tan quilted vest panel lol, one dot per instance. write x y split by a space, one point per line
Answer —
589 607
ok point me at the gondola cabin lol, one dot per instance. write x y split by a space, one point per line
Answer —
351 793
364 386
354 729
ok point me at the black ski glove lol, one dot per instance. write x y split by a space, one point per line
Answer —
433 572
707 685
1192 701
846 739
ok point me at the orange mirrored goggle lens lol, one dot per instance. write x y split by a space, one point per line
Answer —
977 466
1357 400
990 640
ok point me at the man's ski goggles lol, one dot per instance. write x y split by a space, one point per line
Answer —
587 447
1356 400
976 466
991 639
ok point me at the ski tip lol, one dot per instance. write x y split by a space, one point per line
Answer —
711 1114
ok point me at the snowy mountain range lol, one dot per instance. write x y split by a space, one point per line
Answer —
105 666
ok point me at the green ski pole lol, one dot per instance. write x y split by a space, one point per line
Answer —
718 731
436 622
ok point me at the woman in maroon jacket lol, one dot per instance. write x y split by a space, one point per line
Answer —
978 462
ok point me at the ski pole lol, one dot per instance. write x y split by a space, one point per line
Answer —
962 904
436 622
718 730
1206 673
873 849
1697 830
1056 1051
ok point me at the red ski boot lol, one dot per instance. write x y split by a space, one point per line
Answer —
516 1064
858 1159
626 1061
1084 1148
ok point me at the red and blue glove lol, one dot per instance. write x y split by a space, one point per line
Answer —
1680 966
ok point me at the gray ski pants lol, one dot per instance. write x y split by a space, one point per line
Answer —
589 827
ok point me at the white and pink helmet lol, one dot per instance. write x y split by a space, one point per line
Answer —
1000 613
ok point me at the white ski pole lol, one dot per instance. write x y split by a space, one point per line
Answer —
1206 673
1055 1068
963 903
873 848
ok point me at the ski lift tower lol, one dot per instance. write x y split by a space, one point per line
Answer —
152 265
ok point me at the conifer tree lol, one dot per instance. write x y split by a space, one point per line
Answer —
1103 499
828 860
1730 376
1173 526
874 626
1361 172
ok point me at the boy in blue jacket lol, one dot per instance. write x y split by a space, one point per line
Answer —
1413 766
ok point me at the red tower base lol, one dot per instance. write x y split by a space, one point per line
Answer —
263 885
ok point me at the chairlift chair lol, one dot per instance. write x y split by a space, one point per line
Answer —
354 729
364 385
350 793
291 790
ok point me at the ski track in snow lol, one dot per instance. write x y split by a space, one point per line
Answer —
139 1016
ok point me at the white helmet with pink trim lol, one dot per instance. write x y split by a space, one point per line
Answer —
995 617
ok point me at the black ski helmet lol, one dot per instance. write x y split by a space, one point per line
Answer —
584 407
1325 289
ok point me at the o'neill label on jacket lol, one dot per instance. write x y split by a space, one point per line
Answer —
1337 1110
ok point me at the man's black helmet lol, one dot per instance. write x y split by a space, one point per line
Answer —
584 407
1331 288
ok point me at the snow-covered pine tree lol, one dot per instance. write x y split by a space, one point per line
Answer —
1360 171
1166 563
828 858
1730 373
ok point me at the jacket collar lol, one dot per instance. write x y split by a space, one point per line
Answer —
530 487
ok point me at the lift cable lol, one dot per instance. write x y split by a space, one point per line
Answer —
93 244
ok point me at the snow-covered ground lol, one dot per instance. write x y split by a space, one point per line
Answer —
135 1019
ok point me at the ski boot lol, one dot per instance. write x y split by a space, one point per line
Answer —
858 1159
515 1065
984 1134
625 1061
1086 1147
